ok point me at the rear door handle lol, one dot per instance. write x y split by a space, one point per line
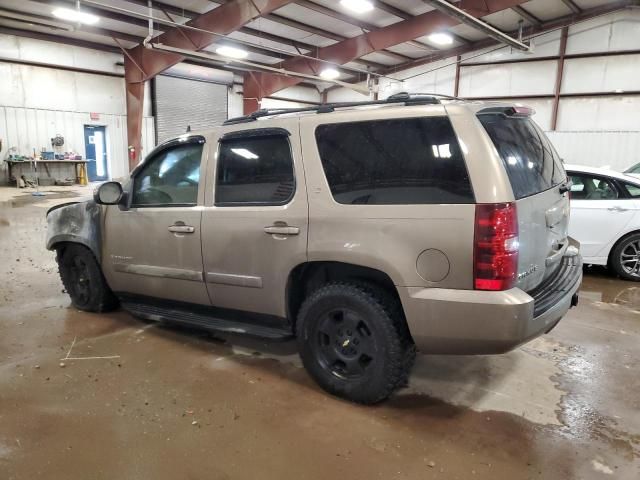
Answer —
617 209
282 230
182 229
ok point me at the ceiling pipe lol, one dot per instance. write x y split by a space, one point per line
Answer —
466 18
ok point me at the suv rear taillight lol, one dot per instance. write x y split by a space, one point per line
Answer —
496 246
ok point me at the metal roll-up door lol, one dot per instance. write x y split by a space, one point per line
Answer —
180 102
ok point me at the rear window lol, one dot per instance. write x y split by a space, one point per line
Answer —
394 161
532 163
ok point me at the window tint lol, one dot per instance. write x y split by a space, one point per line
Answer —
632 190
396 161
587 187
169 178
532 163
255 170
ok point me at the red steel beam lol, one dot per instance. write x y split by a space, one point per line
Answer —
260 85
141 64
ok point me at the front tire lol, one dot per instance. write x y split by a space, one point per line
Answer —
83 280
625 258
354 342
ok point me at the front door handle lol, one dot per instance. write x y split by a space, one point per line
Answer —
617 209
181 228
282 230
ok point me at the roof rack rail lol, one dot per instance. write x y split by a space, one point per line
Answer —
401 97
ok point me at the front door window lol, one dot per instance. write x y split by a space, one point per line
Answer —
169 179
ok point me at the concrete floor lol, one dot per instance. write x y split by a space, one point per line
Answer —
174 403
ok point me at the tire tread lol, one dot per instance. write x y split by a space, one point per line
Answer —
401 350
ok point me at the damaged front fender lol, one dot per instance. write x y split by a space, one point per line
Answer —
75 222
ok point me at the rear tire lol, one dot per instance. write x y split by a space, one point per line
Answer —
625 257
354 342
83 280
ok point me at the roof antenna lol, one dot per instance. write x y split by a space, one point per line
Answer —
188 128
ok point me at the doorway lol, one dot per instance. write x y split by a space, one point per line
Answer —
95 141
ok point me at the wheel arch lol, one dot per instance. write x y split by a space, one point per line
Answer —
78 223
615 244
308 276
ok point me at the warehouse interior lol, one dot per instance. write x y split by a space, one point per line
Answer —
90 88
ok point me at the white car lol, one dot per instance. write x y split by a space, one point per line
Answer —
605 218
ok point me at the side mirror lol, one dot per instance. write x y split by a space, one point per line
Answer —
109 193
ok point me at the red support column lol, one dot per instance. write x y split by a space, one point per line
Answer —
142 64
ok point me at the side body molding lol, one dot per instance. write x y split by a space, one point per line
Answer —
78 222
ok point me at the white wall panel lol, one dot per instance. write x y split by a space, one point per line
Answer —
436 77
28 129
617 150
31 50
437 81
516 79
543 46
618 31
47 88
300 93
601 74
599 113
345 95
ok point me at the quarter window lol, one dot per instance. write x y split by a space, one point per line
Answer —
169 178
632 190
255 170
530 160
587 187
394 162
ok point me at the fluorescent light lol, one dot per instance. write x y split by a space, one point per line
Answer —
231 52
75 16
441 38
243 152
441 151
330 73
358 6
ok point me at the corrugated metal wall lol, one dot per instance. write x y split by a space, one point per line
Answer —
29 128
180 102
591 130
617 150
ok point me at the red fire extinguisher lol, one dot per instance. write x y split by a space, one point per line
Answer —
132 153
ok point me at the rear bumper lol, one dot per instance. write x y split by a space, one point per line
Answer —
465 322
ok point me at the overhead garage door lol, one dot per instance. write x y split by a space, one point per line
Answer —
181 102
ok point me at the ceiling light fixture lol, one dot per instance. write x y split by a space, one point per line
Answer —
330 73
358 6
231 52
75 16
243 152
441 38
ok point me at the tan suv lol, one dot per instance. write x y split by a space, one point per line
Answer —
363 229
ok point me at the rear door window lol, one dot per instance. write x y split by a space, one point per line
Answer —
394 161
632 190
256 169
589 187
530 160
